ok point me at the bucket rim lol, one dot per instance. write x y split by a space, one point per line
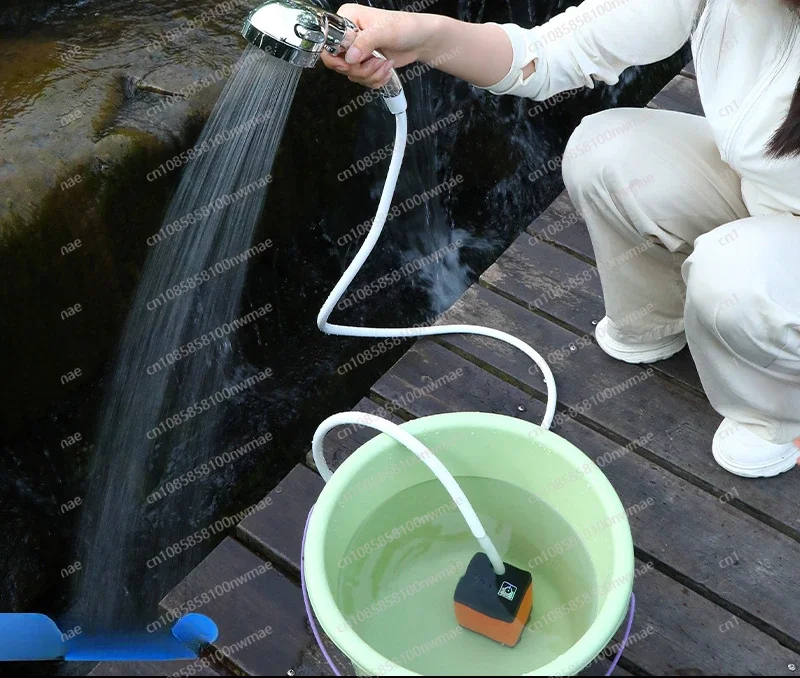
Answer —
609 616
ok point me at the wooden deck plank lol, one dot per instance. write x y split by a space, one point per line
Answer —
682 423
680 633
768 568
261 603
561 224
724 553
681 95
689 70
279 540
547 279
482 392
312 663
343 441
550 280
150 669
600 668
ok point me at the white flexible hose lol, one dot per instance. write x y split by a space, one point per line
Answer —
387 427
425 455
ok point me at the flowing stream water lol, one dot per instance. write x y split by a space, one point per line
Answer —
161 412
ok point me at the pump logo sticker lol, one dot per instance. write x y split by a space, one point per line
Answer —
507 591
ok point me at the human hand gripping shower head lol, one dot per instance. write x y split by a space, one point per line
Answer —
297 31
492 598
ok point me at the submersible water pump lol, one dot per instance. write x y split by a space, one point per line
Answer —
297 32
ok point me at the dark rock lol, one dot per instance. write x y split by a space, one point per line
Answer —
16 14
90 104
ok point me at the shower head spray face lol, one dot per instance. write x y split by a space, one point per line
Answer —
297 31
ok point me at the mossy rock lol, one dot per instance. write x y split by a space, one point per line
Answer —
82 128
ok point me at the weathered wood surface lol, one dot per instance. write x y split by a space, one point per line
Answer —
150 669
260 613
552 282
562 225
280 539
681 421
342 442
720 556
679 95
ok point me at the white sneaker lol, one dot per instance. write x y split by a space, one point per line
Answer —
744 454
638 353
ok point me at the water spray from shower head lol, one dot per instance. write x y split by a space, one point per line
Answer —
297 31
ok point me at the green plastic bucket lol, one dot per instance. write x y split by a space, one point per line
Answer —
573 528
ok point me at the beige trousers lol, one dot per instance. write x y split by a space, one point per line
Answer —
678 251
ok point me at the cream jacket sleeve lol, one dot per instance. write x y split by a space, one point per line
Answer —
598 39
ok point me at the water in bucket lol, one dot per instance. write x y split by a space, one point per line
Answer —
398 574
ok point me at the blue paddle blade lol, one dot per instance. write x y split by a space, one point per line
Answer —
29 637
35 637
183 641
129 647
195 630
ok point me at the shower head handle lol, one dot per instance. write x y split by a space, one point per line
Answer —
297 31
393 88
342 34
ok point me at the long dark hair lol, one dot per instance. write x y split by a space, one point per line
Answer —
786 140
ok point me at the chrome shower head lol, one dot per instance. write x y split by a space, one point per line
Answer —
297 31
